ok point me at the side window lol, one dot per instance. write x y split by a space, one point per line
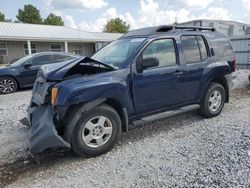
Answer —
190 49
41 60
202 46
60 58
222 48
164 50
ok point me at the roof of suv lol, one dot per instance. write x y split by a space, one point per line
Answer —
167 29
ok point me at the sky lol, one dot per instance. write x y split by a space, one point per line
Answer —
92 15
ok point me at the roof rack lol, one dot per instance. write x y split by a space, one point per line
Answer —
165 29
194 28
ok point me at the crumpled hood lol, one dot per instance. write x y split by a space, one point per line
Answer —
56 72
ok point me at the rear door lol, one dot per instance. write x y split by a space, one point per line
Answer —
155 88
197 57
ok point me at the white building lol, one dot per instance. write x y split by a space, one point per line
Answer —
230 28
18 40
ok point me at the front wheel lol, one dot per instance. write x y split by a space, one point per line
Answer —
213 101
95 131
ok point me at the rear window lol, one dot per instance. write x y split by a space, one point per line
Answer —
222 48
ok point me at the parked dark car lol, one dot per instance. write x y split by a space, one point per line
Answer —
22 73
146 74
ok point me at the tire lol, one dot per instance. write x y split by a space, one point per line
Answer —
213 101
7 85
86 131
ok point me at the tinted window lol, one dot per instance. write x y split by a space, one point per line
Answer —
163 50
41 60
202 46
191 49
60 58
222 48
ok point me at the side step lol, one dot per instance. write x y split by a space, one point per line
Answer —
164 115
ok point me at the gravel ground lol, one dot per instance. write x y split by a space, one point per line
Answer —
186 150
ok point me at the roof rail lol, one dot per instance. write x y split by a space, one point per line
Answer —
194 28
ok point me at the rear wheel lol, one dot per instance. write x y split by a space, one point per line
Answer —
213 101
7 85
95 132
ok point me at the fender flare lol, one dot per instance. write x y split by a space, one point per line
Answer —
72 120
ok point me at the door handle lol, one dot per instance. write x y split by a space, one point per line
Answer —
178 72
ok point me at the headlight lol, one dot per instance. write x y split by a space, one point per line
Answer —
54 95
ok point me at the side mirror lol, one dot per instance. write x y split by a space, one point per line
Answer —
27 65
149 62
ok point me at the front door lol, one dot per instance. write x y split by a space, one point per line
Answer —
155 87
28 74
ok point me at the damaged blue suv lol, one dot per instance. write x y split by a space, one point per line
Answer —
85 104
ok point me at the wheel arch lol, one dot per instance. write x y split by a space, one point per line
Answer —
222 80
83 107
122 111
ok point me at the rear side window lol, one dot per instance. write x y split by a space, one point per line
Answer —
60 58
222 48
203 48
163 50
194 49
41 60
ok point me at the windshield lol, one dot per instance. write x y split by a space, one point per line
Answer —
22 60
117 52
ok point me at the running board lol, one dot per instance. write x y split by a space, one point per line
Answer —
164 115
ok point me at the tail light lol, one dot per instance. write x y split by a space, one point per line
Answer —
233 65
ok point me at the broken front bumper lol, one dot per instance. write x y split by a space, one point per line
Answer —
43 134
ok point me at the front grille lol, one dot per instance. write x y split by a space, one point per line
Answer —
38 88
39 84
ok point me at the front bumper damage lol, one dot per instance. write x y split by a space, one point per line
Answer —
43 134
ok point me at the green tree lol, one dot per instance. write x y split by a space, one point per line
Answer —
2 17
29 14
53 19
116 25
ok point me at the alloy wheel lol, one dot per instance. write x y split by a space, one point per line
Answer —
97 131
7 85
214 101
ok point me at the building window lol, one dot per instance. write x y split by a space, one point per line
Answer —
33 49
55 47
3 49
78 49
